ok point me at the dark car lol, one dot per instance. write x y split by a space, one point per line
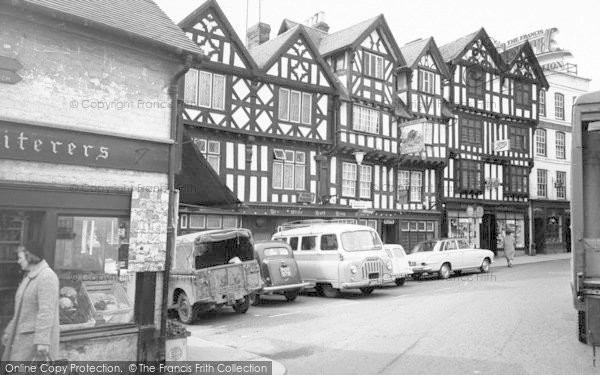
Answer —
278 269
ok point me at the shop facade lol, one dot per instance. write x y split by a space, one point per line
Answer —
86 140
551 226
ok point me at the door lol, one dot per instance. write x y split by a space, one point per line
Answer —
453 254
539 229
389 233
488 233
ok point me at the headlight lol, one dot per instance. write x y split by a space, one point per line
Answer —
388 265
353 269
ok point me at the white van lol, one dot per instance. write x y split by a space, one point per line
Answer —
336 256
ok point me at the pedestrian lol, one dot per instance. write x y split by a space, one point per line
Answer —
509 247
33 331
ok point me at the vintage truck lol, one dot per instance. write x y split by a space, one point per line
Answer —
212 269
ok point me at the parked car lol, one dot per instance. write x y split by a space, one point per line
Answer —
400 267
337 256
278 270
443 256
212 269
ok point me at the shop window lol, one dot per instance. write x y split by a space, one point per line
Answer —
471 131
230 222
94 251
289 170
413 232
540 142
197 222
214 221
519 139
515 223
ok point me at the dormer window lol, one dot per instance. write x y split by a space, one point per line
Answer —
339 62
475 81
426 81
373 65
522 94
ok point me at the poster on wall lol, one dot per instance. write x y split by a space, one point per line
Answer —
148 229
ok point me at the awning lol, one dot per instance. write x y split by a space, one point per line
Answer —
197 182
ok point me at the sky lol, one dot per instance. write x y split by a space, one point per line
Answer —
446 21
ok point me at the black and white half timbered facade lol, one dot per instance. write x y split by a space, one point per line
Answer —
489 143
260 118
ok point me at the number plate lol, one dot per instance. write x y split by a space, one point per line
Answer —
285 272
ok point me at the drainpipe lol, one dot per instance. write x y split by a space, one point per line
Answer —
174 148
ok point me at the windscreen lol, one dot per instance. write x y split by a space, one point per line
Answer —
210 254
423 246
361 240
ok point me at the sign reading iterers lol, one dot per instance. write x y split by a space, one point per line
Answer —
50 145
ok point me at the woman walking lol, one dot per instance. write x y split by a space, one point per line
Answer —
509 247
33 331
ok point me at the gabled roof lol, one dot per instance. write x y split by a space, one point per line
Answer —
354 35
453 51
141 20
267 53
511 55
412 53
191 19
315 34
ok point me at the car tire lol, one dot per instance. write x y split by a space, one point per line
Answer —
185 310
242 306
581 327
367 291
329 291
400 281
485 266
255 299
291 296
445 271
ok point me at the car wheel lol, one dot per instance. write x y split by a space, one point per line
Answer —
185 310
582 329
367 291
445 271
255 299
400 281
291 296
242 306
329 291
485 266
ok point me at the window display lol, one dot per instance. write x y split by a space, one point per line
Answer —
515 222
90 260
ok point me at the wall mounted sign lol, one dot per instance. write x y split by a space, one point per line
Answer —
305 197
43 144
8 69
414 136
502 145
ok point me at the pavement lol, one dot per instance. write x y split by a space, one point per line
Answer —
203 350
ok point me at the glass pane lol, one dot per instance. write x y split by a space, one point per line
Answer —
205 87
284 102
213 161
277 175
213 221
295 106
308 243
329 242
299 177
214 147
197 221
191 87
288 176
300 157
229 222
306 108
218 100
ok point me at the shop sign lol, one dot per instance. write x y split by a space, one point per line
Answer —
414 135
340 213
50 145
502 145
367 212
361 205
479 211
389 221
305 197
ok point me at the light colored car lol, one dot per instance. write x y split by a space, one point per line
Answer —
444 256
400 267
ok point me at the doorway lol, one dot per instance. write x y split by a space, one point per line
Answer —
539 229
488 233
389 233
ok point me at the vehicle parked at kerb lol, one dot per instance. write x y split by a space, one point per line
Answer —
444 256
400 267
212 269
278 269
336 256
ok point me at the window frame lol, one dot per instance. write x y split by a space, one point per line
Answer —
430 87
474 91
561 176
211 102
559 106
517 134
370 69
293 164
542 183
561 147
542 103
365 184
347 182
539 143
471 127
474 173
284 110
366 113
522 95
517 180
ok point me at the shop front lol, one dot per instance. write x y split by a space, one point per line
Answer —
484 225
551 226
103 231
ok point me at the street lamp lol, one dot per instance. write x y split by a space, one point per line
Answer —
359 156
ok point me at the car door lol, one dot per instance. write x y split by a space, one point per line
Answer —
470 255
453 254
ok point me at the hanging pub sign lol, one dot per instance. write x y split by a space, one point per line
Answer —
51 145
414 135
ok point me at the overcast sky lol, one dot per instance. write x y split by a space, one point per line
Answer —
577 20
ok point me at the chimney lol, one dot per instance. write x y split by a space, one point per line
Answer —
258 34
317 21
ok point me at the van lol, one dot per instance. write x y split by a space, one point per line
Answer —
337 256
